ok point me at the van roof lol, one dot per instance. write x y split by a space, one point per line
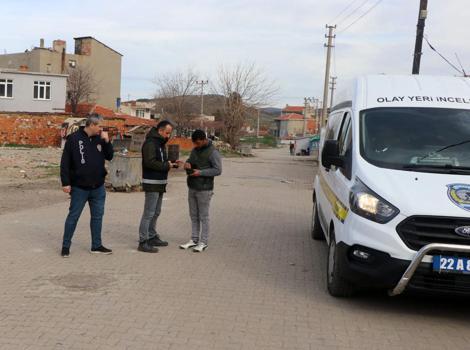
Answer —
374 91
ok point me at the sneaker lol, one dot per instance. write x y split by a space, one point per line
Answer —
65 252
145 247
188 245
200 247
101 250
157 242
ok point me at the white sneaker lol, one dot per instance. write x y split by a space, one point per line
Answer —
200 247
188 245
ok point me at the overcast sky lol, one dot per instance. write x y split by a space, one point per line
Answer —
285 38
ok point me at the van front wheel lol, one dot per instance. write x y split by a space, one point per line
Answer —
337 285
315 226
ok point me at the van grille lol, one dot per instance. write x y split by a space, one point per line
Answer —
427 280
418 231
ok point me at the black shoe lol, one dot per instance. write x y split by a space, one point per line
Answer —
157 242
145 247
65 252
101 250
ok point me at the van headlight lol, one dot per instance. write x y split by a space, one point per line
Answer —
368 204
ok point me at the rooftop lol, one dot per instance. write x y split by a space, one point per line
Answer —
17 71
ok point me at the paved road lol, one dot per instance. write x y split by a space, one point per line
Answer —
260 285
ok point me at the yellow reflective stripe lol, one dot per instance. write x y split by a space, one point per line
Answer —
339 209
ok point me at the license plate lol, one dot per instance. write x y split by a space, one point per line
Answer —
450 264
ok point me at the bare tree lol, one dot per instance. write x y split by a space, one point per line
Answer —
173 90
81 86
244 87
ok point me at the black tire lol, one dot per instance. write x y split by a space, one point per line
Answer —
337 285
315 227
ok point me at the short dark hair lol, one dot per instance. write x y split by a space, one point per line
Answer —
198 135
163 124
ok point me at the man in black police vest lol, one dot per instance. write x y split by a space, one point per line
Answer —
82 173
155 168
203 165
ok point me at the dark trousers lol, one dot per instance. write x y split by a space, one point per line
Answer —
79 197
152 210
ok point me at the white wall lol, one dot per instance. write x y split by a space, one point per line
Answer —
23 87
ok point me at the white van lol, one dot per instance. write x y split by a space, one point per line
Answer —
392 193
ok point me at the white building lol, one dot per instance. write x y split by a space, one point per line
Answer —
139 109
22 91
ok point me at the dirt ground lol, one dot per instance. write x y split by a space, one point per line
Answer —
29 178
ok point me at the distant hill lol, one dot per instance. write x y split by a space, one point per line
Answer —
272 110
213 103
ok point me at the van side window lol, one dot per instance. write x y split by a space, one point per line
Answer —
345 147
344 130
333 125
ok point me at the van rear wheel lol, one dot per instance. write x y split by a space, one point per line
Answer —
315 226
337 285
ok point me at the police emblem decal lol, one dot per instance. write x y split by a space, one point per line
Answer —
99 147
459 194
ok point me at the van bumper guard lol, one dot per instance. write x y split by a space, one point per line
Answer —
418 258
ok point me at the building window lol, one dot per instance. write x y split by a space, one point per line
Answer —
140 113
6 88
42 90
48 68
72 63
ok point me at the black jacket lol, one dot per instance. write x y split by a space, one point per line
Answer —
155 165
83 159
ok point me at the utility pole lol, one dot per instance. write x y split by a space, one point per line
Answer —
202 83
332 89
423 13
257 126
307 101
328 46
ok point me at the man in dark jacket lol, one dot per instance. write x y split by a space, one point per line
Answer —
203 165
155 168
82 174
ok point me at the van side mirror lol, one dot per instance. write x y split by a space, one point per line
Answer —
330 155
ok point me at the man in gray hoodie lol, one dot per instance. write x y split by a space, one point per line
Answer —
203 165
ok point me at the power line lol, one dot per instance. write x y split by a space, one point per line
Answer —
343 11
461 66
360 17
354 11
442 56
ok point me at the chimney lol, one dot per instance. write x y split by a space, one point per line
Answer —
62 61
58 45
41 43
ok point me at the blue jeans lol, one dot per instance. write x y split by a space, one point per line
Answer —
95 199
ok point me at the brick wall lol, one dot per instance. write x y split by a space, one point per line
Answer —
43 129
185 144
31 129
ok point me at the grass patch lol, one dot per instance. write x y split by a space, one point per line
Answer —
16 145
53 172
230 154
263 141
184 153
50 170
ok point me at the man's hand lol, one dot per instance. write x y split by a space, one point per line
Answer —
67 189
187 166
173 165
105 136
196 172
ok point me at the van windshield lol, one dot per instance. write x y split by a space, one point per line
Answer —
417 139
